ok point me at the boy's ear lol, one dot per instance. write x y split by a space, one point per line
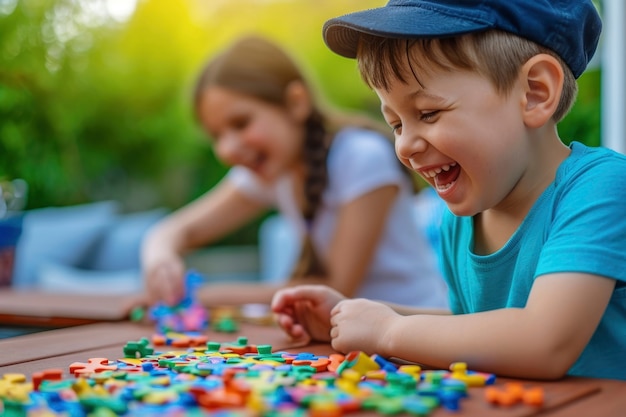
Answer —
298 100
543 79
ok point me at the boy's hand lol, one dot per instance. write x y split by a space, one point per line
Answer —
303 311
361 324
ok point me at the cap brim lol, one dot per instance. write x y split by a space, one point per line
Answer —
341 34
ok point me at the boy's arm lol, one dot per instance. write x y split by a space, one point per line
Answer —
540 341
410 311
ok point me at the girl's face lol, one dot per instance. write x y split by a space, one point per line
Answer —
252 133
462 136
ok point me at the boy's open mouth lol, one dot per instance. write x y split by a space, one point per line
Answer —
444 176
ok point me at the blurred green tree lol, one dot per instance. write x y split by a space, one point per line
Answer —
93 107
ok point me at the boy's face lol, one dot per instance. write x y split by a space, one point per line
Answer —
462 136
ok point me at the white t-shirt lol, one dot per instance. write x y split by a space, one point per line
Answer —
404 269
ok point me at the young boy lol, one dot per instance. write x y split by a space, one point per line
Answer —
533 245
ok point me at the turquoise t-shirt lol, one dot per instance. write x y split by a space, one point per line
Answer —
578 224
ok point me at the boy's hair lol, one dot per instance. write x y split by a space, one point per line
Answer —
494 54
570 29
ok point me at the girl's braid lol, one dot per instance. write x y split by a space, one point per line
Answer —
316 178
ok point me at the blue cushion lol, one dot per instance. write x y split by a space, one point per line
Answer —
119 247
54 277
62 235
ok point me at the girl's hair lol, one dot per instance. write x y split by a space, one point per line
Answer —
495 54
258 68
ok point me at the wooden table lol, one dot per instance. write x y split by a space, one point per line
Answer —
58 348
42 309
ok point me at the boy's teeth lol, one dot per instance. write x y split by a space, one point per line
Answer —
444 186
433 172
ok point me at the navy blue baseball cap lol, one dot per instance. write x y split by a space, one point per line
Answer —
570 28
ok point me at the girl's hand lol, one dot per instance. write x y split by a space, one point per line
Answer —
303 311
361 324
164 278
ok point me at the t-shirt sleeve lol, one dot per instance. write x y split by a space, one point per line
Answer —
587 233
246 182
360 161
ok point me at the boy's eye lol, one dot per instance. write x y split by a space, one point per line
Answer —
429 116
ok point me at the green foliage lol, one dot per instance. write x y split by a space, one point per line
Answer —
582 124
92 108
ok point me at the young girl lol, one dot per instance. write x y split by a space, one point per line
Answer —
335 179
